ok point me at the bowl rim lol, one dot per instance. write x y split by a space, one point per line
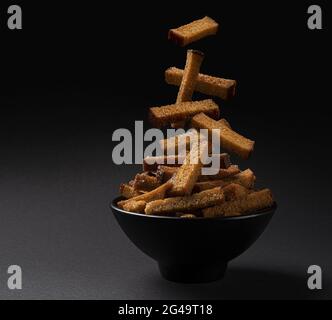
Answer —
265 211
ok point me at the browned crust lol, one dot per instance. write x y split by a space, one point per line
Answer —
193 31
163 116
252 202
176 37
229 139
178 204
206 84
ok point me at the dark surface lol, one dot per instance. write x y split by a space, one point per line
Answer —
70 78
192 250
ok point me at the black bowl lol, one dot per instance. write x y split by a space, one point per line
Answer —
192 250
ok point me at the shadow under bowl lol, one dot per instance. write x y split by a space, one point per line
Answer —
192 250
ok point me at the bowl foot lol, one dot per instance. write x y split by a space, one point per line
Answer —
193 273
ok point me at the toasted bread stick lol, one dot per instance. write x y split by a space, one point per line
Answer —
127 191
229 139
158 193
187 175
232 174
196 201
252 202
188 83
145 182
209 85
245 178
193 31
135 206
224 122
163 116
223 173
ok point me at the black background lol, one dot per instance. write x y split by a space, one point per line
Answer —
77 72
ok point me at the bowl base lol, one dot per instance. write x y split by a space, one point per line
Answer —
193 273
